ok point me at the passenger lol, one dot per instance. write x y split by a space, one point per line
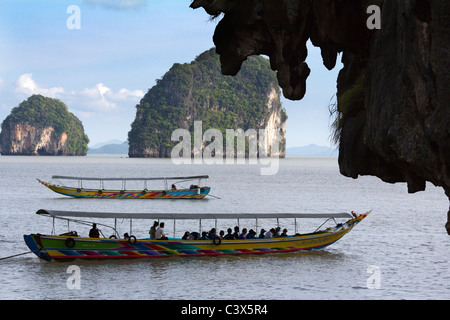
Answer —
159 234
221 234
269 234
284 234
229 235
212 234
204 236
152 231
243 235
194 236
94 232
186 235
174 187
251 234
236 232
276 234
261 234
126 236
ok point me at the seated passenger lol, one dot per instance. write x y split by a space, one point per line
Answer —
243 235
251 234
160 235
261 234
284 234
269 234
186 235
229 236
212 234
194 236
126 236
221 234
204 236
276 233
94 232
236 232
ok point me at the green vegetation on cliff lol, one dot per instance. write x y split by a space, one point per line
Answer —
199 91
43 112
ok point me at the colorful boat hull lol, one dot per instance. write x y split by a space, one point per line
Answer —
197 193
53 247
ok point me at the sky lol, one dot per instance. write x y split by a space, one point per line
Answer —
101 56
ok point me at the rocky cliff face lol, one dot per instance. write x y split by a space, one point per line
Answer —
42 126
24 139
199 92
393 94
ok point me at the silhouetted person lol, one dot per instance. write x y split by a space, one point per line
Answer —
94 233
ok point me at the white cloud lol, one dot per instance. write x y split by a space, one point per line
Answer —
25 84
118 4
99 98
103 98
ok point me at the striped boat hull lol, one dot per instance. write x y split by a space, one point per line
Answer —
50 247
129 194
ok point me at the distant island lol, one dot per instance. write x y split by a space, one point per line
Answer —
110 148
198 91
42 126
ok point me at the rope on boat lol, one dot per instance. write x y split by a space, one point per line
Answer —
213 196
19 254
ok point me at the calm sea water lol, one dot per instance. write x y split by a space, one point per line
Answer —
401 251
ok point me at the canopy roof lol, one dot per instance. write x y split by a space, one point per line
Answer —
184 216
122 179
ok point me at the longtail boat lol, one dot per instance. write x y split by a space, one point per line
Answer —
71 246
195 191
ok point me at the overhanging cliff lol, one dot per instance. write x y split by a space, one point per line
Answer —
393 93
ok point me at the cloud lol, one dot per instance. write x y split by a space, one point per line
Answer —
99 98
103 98
25 84
119 4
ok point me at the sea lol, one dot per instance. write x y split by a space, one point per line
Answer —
401 251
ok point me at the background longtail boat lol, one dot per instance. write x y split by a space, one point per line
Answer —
194 191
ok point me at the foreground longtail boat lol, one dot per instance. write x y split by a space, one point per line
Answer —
193 192
71 246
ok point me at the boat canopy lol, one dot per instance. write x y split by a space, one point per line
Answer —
186 216
136 179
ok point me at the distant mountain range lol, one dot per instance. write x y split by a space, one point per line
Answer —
110 147
312 150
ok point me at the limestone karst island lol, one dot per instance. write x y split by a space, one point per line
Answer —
199 91
42 126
